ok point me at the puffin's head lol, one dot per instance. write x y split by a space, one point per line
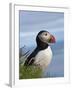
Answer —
45 37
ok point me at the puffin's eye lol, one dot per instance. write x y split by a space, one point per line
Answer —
45 34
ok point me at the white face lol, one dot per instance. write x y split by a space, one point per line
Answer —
45 37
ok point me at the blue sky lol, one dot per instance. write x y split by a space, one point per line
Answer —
31 22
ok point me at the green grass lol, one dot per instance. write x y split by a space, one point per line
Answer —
29 72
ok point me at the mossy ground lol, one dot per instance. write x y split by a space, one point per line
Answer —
29 72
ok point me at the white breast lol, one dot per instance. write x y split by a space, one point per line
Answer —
43 58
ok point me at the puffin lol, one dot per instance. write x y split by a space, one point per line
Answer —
42 54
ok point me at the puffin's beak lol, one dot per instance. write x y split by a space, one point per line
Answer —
52 39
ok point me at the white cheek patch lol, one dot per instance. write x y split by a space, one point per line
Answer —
44 38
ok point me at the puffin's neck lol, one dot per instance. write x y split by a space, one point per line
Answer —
42 45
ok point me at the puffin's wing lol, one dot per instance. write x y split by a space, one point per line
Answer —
29 61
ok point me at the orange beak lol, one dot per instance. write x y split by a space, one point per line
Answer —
52 39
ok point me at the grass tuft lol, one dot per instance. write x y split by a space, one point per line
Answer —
29 72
